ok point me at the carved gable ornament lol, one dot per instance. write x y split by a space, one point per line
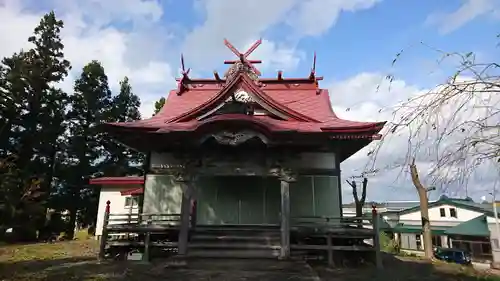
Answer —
233 138
240 67
240 96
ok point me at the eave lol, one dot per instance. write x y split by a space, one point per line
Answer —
117 181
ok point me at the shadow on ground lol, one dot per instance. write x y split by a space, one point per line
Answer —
234 270
407 269
193 270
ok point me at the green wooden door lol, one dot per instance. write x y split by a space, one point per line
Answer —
238 200
227 205
272 200
251 200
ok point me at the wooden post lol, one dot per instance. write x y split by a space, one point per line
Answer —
147 242
330 251
194 210
376 237
130 210
146 167
185 218
104 234
285 219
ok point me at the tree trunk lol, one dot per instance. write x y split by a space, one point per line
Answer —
424 210
70 228
357 201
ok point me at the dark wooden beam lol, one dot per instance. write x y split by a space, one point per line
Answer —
266 80
185 218
216 76
285 219
236 61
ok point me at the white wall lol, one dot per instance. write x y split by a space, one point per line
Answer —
117 206
435 216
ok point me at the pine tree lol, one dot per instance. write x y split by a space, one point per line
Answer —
121 160
91 105
31 120
52 68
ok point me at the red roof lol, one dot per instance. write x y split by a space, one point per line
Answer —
301 104
117 180
310 107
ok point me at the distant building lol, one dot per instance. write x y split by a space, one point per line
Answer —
455 223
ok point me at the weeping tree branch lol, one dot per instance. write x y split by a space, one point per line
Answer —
454 127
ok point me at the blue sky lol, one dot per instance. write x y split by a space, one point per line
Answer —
368 40
355 41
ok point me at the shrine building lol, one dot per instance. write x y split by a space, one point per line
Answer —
240 150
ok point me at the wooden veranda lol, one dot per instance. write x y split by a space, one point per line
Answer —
133 236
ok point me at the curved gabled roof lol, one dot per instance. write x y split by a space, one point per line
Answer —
308 108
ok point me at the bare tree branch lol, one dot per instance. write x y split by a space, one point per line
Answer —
455 127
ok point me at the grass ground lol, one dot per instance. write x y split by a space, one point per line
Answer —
76 260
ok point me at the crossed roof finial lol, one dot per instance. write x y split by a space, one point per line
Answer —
243 57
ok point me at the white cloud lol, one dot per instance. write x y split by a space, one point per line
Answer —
468 11
315 17
130 38
275 57
360 94
90 33
16 26
244 21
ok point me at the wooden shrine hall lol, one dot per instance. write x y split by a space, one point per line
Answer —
239 165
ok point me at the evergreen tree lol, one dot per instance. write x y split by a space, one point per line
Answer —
31 120
53 68
121 160
159 105
91 105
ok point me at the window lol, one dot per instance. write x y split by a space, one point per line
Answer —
453 212
485 248
436 241
442 212
131 201
494 243
418 242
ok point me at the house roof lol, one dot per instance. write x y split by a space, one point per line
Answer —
117 180
404 228
474 227
389 206
467 204
133 191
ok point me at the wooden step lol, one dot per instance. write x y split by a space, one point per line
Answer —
209 246
227 229
235 238
243 254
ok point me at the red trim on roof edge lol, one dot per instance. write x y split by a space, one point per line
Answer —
117 180
243 78
133 191
376 127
